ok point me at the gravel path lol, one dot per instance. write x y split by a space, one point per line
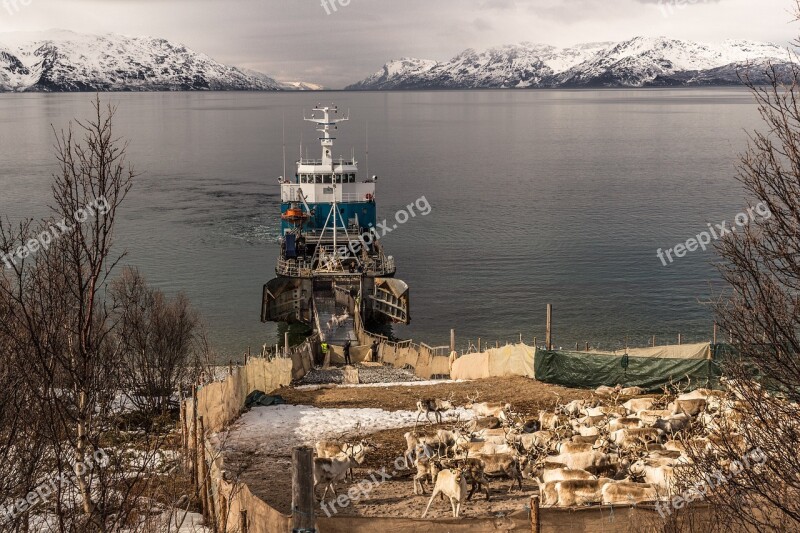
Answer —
366 374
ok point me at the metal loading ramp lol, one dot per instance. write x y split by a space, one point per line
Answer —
335 324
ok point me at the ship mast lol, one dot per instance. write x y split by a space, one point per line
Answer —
324 125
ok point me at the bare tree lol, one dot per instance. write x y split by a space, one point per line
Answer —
156 338
761 265
58 329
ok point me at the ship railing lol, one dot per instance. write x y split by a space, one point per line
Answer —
293 268
380 265
319 162
352 197
290 195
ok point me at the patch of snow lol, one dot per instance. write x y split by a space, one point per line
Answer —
391 384
191 523
406 384
276 430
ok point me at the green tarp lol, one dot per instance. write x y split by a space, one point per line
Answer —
591 370
259 398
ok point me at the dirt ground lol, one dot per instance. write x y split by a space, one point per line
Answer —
526 395
269 477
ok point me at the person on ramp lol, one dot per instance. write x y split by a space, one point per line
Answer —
346 350
373 352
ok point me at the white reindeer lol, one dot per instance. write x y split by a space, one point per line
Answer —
453 484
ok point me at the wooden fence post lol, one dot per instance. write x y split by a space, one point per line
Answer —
201 466
303 518
680 339
452 340
184 434
193 462
654 341
479 345
548 341
224 514
243 521
587 346
534 342
286 344
536 525
715 332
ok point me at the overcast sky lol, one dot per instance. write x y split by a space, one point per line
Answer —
301 40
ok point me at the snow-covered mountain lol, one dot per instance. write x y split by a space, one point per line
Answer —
301 86
638 62
60 60
395 73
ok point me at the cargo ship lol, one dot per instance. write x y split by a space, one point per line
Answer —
332 264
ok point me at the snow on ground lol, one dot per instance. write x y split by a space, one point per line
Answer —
191 523
392 384
276 430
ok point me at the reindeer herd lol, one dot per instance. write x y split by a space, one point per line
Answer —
619 447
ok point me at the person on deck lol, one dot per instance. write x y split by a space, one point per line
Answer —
347 353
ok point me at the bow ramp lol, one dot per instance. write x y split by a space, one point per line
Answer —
334 320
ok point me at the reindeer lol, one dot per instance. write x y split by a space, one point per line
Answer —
572 493
628 493
631 391
453 484
475 472
478 424
506 465
452 439
416 441
497 409
327 471
435 406
428 465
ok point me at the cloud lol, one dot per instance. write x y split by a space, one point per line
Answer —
678 2
299 40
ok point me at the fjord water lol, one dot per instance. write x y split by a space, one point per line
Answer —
537 197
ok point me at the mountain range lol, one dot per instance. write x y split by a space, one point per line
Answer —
63 61
637 62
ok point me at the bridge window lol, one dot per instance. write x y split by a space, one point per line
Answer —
317 178
352 178
328 178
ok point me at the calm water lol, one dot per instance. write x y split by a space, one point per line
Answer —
545 196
